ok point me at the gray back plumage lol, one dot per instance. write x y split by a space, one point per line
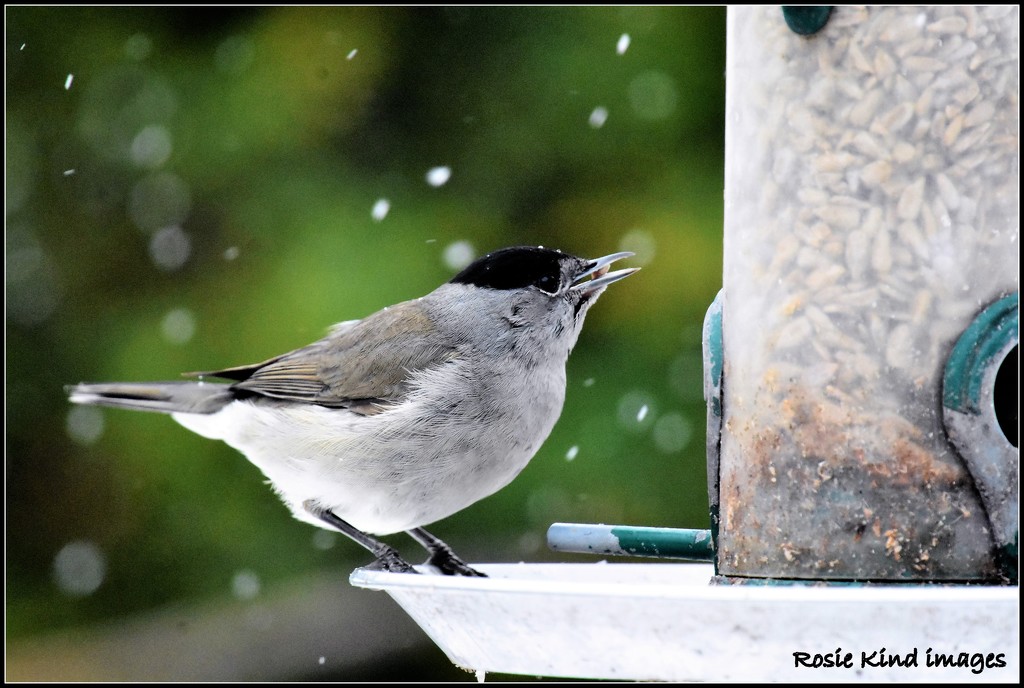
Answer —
363 365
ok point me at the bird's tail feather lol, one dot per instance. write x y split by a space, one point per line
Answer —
161 397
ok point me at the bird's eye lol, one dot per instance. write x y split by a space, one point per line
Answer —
548 283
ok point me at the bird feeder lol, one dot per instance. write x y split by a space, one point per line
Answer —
860 374
871 223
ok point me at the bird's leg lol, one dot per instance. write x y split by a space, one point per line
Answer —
442 556
387 556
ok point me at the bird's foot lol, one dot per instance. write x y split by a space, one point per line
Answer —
393 563
450 565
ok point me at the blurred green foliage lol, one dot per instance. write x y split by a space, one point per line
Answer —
191 188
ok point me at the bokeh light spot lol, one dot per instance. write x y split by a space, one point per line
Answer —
178 326
170 248
459 254
84 424
79 568
151 147
245 585
672 433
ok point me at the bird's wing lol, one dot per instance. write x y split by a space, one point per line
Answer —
363 365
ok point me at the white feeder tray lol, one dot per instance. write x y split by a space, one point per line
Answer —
664 622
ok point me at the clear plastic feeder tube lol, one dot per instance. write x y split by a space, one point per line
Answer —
871 212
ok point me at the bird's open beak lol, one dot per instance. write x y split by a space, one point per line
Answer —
601 277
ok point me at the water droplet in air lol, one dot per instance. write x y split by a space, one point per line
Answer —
634 411
623 44
438 176
380 209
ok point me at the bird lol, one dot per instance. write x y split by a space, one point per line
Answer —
408 415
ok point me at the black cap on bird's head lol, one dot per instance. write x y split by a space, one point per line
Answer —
516 267
519 267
